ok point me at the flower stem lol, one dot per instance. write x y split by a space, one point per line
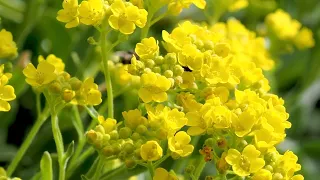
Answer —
42 117
99 169
59 143
150 168
199 168
106 72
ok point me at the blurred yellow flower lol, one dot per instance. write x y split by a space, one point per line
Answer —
44 74
237 5
91 12
304 39
8 47
108 124
161 174
55 61
69 13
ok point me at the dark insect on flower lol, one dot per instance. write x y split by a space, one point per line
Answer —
126 56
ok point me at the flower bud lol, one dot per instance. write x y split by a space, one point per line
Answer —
178 80
277 176
107 151
161 134
170 58
68 95
125 133
91 41
159 60
135 136
178 70
168 74
269 168
99 128
209 142
189 169
147 70
130 163
141 129
175 156
156 69
91 136
128 148
66 76
150 63
114 135
116 148
122 155
208 45
75 83
165 67
209 178
55 87
222 49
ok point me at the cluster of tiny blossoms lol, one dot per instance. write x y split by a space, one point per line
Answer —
208 84
50 78
8 49
289 30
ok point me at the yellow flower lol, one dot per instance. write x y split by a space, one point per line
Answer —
4 76
191 57
198 125
188 80
164 118
282 25
6 93
133 118
243 124
125 17
148 48
179 143
91 12
55 61
44 74
154 87
8 47
69 13
262 174
3 175
151 151
108 124
304 39
245 163
237 5
162 174
89 94
287 165
175 7
188 102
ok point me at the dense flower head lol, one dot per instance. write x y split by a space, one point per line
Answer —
8 47
125 17
6 91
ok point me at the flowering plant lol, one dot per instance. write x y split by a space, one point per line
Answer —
196 96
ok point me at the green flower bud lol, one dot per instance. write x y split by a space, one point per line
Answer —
125 133
137 153
209 142
147 70
161 134
277 176
65 75
210 131
128 148
99 128
178 70
159 60
150 63
107 151
208 45
116 148
199 43
91 41
156 69
175 156
168 74
209 178
130 163
106 137
91 136
178 80
269 168
189 169
75 83
172 81
114 135
55 87
122 155
135 136
165 67
141 129
170 58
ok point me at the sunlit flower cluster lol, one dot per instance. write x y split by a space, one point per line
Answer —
8 48
49 77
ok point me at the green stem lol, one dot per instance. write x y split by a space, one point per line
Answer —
114 172
158 18
107 72
145 29
59 143
99 169
199 168
157 163
151 169
27 142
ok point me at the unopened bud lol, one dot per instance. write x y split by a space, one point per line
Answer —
277 176
135 136
178 70
66 76
114 135
175 156
99 128
222 49
91 136
122 155
209 142
91 41
168 74
75 83
156 69
147 70
150 63
269 168
141 129
189 169
128 148
130 163
68 95
107 151
125 133
55 87
159 60
116 148
170 58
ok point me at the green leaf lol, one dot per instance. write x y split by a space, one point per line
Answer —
69 151
83 177
46 166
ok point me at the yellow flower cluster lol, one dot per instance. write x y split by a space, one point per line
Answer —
207 84
6 91
281 25
8 47
121 15
245 46
50 77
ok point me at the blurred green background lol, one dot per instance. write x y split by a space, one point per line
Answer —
36 32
